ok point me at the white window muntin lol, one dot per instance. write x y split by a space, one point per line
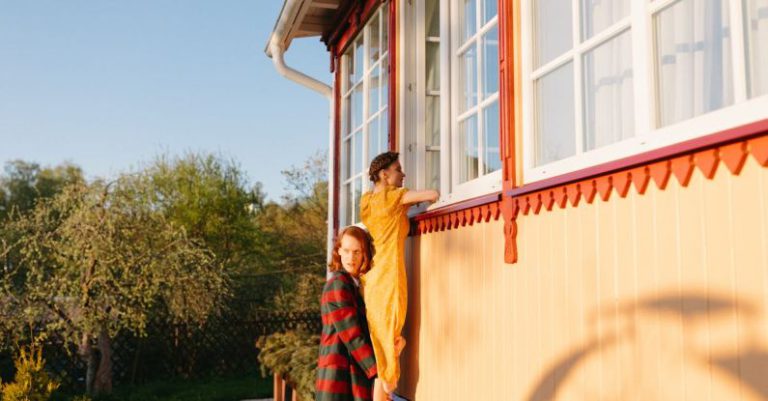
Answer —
372 118
648 135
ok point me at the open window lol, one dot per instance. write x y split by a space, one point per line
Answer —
451 64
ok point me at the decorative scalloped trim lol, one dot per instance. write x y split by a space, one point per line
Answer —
460 218
732 156
706 161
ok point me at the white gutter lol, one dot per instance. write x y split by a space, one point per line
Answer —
275 50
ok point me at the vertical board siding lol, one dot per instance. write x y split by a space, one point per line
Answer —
661 296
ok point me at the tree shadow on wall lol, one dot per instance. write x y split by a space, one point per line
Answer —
747 367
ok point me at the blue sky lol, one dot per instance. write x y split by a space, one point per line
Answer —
110 84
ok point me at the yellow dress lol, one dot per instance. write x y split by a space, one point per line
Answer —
385 287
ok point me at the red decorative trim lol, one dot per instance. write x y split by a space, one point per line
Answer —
507 123
733 155
476 210
658 173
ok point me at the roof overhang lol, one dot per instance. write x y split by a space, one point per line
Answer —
303 18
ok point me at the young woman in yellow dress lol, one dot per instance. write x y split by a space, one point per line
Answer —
383 210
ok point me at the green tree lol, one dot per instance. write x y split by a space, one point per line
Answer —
210 197
98 259
295 230
24 183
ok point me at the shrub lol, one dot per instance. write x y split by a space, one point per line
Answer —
32 382
293 355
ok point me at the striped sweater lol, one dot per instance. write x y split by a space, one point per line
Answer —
346 365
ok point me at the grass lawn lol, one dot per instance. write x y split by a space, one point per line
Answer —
214 389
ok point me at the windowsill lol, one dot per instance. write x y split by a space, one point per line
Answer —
481 191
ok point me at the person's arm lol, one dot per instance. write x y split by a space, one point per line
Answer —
343 315
411 197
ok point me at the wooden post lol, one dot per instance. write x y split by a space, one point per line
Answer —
277 388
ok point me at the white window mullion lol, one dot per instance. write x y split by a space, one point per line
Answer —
577 78
366 104
642 66
526 39
445 99
421 89
477 41
455 93
738 54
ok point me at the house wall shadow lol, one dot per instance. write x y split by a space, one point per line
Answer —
746 368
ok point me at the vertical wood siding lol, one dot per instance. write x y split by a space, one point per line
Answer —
661 296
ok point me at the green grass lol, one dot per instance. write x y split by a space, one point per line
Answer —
215 389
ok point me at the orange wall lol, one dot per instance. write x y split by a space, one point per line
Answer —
661 296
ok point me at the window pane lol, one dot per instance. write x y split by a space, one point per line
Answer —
346 204
757 46
384 28
491 138
433 170
490 62
373 142
384 138
608 93
373 92
384 82
349 59
374 44
432 123
433 65
489 10
468 19
346 157
358 71
346 122
467 150
356 110
468 77
555 135
600 14
693 59
358 192
358 155
552 30
432 18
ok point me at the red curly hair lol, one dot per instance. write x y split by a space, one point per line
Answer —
361 236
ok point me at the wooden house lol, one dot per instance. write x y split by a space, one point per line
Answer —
602 231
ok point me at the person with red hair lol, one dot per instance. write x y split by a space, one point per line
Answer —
346 365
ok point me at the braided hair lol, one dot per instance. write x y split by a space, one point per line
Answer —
381 162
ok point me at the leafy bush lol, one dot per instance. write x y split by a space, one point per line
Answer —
32 382
293 355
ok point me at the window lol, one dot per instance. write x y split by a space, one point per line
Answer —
364 128
475 55
605 79
452 80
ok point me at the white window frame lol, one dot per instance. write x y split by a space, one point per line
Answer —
648 135
383 112
413 87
